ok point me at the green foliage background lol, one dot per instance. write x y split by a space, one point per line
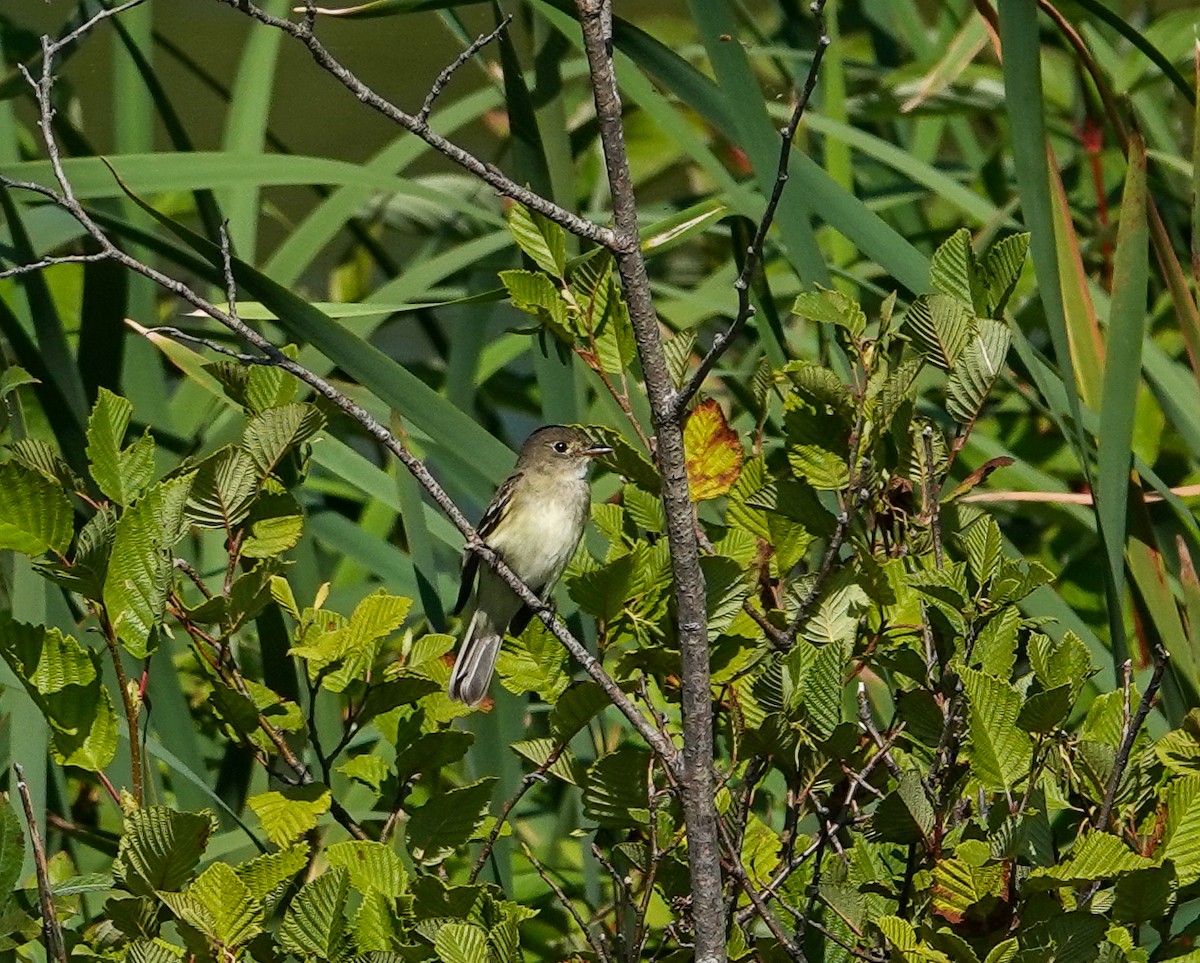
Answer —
940 299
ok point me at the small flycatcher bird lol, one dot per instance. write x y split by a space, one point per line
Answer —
534 522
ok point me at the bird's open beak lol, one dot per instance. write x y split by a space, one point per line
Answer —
595 451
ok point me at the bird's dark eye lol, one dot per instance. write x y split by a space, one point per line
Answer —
560 447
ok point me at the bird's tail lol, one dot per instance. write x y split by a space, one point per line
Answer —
476 659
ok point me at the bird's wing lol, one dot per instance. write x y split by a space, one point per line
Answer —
491 519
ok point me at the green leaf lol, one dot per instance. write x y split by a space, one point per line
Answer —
615 789
448 820
12 378
995 649
904 815
961 889
121 473
373 867
976 370
139 573
12 849
1096 856
346 653
984 546
219 905
35 513
831 307
1045 711
1144 896
160 848
223 490
290 813
64 681
541 239
315 923
1065 662
265 876
273 433
953 270
367 768
1000 753
461 943
536 661
940 327
1001 270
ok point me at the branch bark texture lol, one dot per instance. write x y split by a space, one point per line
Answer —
696 778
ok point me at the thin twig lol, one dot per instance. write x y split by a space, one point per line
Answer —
489 174
449 70
1132 728
738 872
932 494
597 946
754 253
695 775
52 934
528 782
51 262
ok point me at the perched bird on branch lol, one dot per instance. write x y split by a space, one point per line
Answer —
534 522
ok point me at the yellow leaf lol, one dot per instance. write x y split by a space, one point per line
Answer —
714 452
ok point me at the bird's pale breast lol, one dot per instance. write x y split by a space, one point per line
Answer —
537 540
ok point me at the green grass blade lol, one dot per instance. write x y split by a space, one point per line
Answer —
1122 369
246 125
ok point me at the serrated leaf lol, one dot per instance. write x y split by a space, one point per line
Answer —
1096 856
63 679
315 922
367 768
996 644
726 584
831 307
447 821
540 751
645 509
39 456
905 815
1065 662
265 875
575 708
461 943
953 270
976 370
818 385
160 848
714 451
1044 711
534 662
337 658
223 490
940 327
272 433
540 238
1000 753
678 350
231 917
289 814
35 513
139 573
373 867
616 787
1001 270
12 848
1144 896
121 474
960 889
984 546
